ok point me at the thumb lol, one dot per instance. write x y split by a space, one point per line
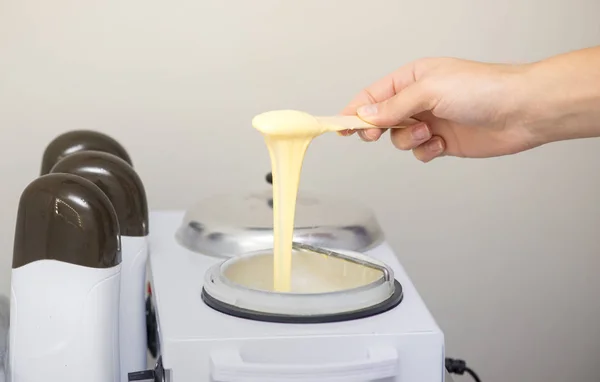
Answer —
412 100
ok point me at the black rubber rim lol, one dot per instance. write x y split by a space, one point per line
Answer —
374 310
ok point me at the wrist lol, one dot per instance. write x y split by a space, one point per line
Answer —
559 98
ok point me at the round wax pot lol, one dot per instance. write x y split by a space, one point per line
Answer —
324 288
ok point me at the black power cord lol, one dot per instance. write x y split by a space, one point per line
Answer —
459 367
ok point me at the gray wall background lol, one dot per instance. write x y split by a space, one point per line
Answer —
505 251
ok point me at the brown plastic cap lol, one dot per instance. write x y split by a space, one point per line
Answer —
80 140
66 218
118 180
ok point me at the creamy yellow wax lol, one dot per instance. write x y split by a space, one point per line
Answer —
287 134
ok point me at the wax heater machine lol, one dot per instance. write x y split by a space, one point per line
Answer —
211 312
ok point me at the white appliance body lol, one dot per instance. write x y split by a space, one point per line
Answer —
4 326
132 313
197 343
64 323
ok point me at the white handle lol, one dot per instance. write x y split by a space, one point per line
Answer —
228 366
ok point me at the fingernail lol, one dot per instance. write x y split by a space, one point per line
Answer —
420 132
364 136
367 110
371 135
435 146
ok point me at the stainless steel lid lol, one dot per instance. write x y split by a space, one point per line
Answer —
231 225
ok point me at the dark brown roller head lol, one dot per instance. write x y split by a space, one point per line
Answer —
118 180
67 218
80 140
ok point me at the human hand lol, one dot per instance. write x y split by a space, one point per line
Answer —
466 109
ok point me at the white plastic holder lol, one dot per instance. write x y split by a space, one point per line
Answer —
64 323
132 312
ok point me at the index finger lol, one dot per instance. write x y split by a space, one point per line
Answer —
379 91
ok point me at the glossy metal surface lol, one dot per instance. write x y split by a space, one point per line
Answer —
80 140
387 273
118 180
67 218
230 225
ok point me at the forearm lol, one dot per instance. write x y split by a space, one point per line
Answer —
560 96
